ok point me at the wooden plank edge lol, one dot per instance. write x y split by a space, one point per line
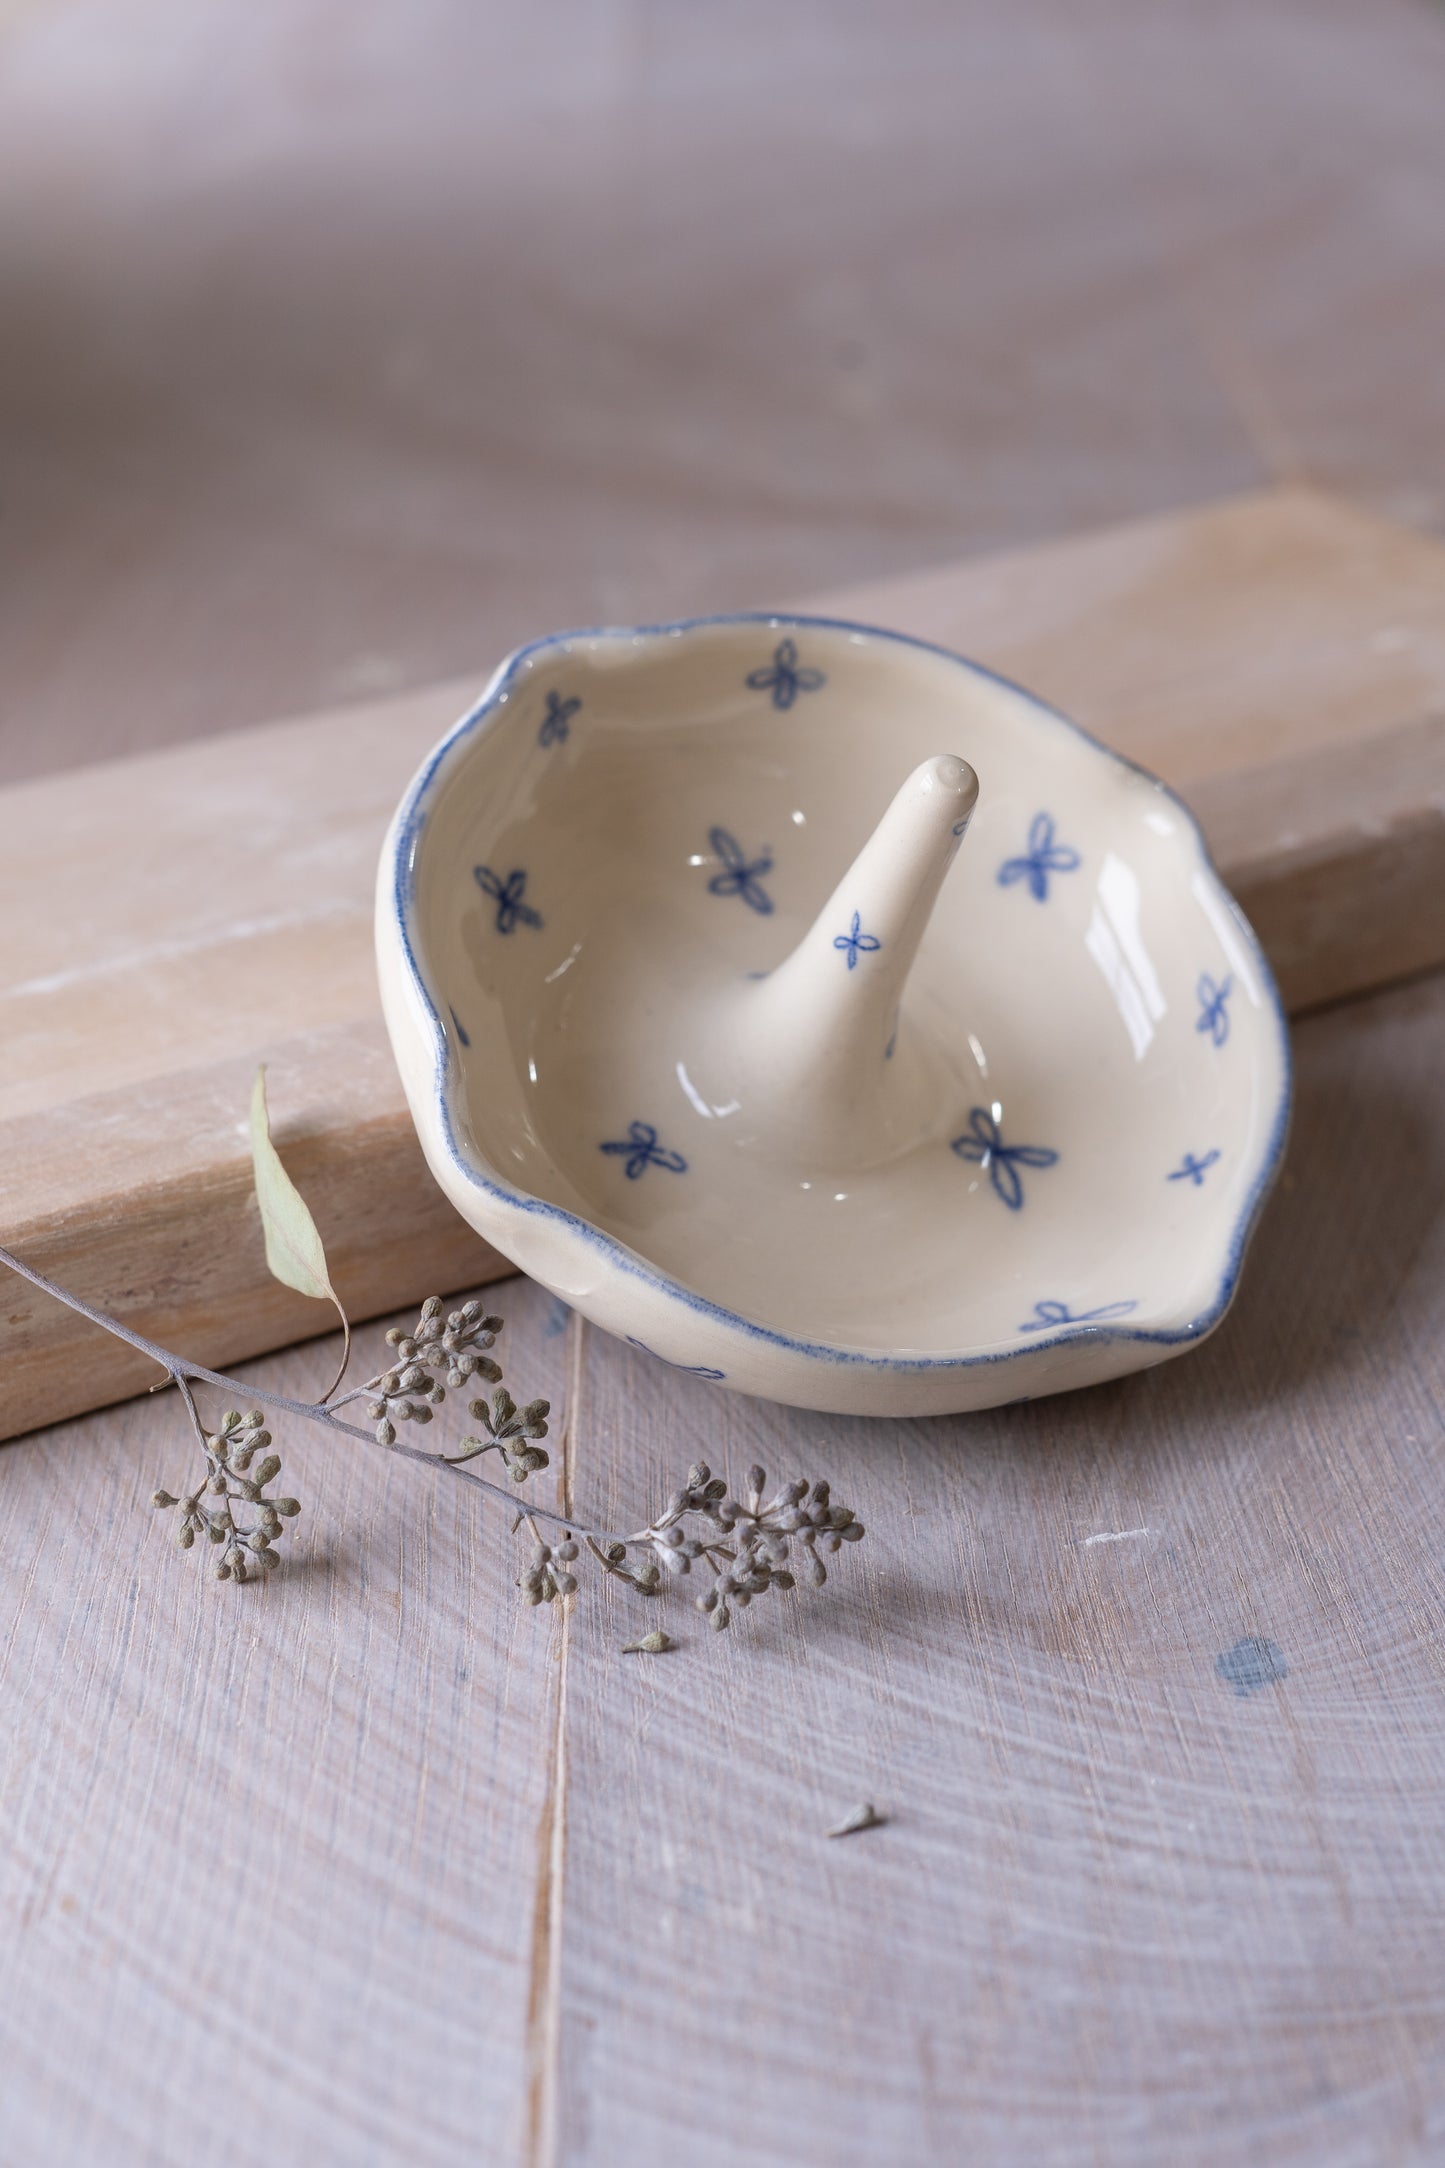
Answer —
1338 860
183 1261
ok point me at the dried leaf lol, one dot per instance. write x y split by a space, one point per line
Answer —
294 1254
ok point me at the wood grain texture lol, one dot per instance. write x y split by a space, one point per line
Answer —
277 1867
167 922
540 1903
313 387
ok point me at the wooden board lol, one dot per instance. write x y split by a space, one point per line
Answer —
312 386
171 920
369 1865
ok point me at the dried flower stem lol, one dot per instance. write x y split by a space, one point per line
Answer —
749 1544
182 1372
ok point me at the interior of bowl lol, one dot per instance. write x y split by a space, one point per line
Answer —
634 825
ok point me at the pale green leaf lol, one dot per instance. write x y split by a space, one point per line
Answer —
294 1253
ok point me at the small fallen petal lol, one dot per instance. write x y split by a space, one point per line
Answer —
652 1644
865 1816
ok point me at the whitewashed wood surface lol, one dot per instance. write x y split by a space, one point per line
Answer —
366 1867
371 1866
347 346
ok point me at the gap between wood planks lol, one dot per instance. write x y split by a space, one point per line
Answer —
544 1988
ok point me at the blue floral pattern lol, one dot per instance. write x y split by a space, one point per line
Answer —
1193 1170
1213 1016
1043 857
557 722
641 1150
983 1146
1049 1315
787 678
855 942
507 895
740 877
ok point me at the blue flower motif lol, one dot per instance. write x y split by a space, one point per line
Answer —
641 1149
785 680
511 911
1213 1017
983 1145
1043 857
1193 1170
1049 1314
855 942
740 878
558 719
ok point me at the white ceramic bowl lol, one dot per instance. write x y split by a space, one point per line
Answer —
601 868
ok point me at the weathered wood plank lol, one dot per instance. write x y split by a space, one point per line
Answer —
1147 1679
537 1901
283 418
166 922
276 1860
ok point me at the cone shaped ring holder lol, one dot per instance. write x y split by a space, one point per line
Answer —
828 1017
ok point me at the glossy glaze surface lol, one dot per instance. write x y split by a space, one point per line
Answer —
645 965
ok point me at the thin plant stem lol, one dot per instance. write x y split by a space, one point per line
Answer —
182 1373
755 1560
335 1386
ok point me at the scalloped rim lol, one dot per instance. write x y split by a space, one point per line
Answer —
399 854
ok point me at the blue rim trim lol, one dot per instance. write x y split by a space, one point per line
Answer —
492 702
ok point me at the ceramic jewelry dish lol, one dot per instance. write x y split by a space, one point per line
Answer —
828 1017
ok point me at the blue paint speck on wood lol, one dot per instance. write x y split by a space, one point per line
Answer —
1251 1664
